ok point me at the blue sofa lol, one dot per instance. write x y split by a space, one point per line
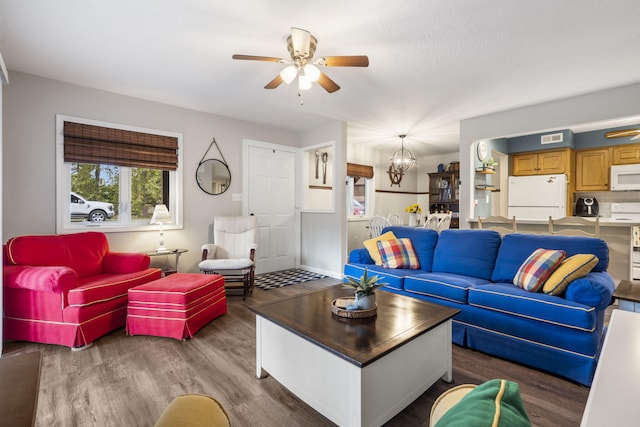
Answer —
473 271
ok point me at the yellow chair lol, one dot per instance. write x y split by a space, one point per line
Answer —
194 410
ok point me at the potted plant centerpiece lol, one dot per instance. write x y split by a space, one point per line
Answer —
364 291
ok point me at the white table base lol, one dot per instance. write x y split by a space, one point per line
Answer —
340 390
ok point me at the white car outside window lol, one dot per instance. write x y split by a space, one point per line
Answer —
90 210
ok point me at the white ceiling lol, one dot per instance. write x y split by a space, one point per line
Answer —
432 62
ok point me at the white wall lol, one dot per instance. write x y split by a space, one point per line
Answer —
4 79
593 107
31 104
324 235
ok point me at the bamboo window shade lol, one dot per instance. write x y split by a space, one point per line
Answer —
96 144
364 171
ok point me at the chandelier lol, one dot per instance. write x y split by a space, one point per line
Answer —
401 162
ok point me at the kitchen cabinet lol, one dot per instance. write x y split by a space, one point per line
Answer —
541 162
444 193
626 154
592 169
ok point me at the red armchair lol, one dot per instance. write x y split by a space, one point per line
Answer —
68 289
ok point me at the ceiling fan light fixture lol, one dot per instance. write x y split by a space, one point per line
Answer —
311 72
289 73
303 82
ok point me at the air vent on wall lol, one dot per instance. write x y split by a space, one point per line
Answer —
552 138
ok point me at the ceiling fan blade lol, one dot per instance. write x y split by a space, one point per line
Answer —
257 58
328 84
300 42
277 81
345 61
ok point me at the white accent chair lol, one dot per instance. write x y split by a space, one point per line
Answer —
232 253
376 224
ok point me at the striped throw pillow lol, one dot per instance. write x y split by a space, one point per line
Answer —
571 269
398 253
537 268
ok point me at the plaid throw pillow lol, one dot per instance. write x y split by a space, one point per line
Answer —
537 268
398 253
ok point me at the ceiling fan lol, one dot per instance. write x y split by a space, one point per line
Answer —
623 134
301 45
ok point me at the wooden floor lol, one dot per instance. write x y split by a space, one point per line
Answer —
128 381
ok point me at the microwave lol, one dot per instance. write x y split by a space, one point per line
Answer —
625 177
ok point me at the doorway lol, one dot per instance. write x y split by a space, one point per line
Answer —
269 188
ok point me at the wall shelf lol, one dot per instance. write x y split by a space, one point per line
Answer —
485 171
486 188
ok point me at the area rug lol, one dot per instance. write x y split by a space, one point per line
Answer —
280 279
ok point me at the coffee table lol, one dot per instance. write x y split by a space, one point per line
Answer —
356 372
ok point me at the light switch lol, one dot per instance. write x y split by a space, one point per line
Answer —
236 197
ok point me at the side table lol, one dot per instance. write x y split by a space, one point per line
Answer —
628 295
169 267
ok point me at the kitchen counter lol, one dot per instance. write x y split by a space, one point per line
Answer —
616 233
604 222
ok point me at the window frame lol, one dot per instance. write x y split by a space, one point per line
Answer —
368 208
63 184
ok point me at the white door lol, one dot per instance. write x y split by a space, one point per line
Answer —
271 198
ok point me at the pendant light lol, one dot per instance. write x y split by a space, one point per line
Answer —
401 162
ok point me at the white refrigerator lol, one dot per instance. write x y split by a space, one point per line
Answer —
537 196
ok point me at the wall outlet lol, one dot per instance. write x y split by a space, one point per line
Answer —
236 197
475 203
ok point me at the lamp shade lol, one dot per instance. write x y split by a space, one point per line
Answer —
161 215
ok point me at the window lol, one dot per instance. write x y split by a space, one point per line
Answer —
358 193
112 176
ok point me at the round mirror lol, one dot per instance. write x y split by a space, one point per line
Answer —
213 176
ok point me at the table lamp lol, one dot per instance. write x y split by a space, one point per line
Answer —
161 216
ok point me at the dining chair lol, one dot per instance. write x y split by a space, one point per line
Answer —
567 226
438 221
501 224
376 224
395 219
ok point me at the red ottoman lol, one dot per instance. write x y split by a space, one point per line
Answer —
176 306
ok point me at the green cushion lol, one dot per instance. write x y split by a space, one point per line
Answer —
495 403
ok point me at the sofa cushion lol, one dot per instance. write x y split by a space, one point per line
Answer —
103 287
516 247
510 299
398 253
371 245
447 286
537 268
423 240
571 269
595 290
360 256
493 403
466 252
393 277
82 252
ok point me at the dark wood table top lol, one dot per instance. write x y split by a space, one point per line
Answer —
628 290
399 319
